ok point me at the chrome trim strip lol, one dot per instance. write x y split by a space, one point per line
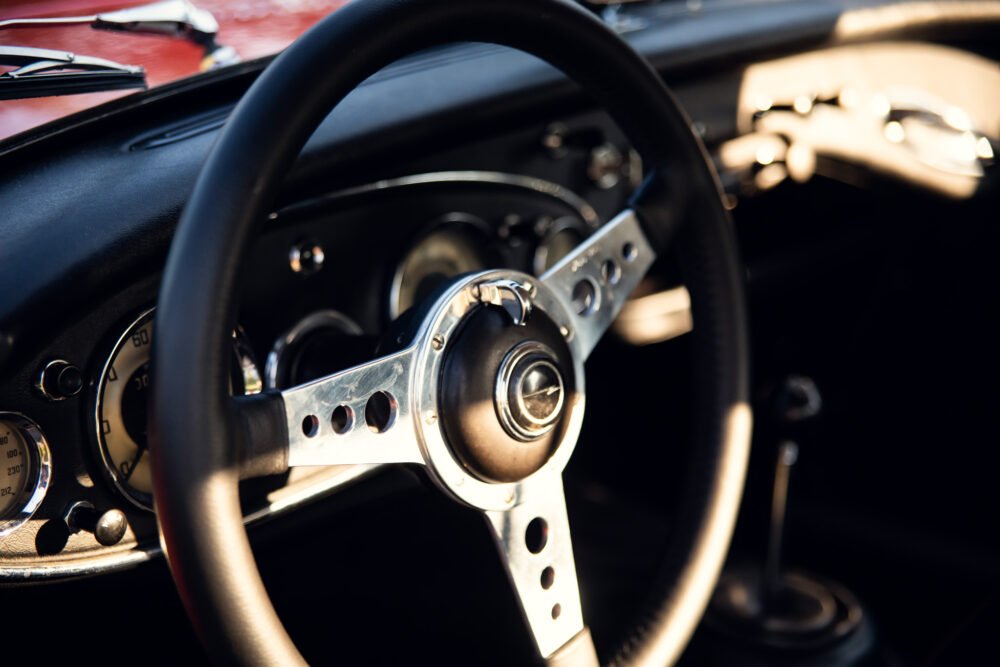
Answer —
539 185
280 502
84 567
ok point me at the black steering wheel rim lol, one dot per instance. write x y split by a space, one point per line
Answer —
197 439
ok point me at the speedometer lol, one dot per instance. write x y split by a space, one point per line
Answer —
121 413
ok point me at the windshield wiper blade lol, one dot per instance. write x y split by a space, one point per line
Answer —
45 72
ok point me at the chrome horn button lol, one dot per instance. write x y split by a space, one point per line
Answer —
502 390
468 451
530 391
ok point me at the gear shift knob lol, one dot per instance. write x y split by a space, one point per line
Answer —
797 400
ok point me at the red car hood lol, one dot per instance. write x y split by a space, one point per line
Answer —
253 27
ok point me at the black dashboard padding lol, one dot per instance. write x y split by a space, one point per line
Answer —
58 182
195 445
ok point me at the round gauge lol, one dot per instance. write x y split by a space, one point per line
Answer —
560 238
122 400
459 244
321 343
25 470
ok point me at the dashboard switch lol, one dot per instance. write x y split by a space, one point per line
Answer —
108 528
59 380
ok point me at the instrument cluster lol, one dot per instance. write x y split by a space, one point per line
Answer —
80 501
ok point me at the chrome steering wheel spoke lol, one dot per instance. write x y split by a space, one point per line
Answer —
360 415
597 277
535 546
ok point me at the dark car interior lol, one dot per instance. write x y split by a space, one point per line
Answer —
851 147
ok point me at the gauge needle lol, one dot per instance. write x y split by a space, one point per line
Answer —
134 463
547 391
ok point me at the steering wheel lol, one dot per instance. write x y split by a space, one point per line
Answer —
488 393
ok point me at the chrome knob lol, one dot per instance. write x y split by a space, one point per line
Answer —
108 528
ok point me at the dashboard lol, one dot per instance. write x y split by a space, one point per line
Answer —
326 281
310 308
495 161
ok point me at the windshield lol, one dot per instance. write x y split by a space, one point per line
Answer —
253 28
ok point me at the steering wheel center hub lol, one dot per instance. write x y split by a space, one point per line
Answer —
504 385
503 381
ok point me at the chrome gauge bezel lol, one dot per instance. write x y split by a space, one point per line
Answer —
473 229
284 347
540 260
40 472
249 377
111 472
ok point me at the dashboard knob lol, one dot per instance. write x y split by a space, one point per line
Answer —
306 257
59 379
606 166
108 528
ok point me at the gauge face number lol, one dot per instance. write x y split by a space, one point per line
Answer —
122 413
14 473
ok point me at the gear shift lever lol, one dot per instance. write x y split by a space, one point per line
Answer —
788 454
778 615
797 401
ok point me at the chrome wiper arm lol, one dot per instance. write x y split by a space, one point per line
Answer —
44 72
175 18
171 18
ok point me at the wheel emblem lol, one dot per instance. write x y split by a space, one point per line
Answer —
529 391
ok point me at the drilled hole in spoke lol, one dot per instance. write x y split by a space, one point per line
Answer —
537 535
310 426
342 419
629 252
556 611
548 578
380 411
611 272
584 297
